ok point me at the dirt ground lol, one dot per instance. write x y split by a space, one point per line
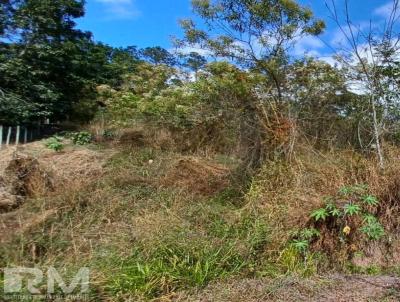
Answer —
334 288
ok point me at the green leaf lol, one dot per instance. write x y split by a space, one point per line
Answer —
352 209
330 206
370 200
301 245
319 214
345 190
54 143
332 210
374 230
368 219
335 212
348 190
307 234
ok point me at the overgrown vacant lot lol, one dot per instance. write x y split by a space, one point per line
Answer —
255 157
163 225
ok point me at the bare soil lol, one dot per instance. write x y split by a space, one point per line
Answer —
334 288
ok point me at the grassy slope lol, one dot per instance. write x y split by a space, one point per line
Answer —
145 240
141 239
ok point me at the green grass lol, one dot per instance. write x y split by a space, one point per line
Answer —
172 267
214 242
143 241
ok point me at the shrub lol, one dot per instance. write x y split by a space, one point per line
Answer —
54 143
109 134
350 210
81 138
372 228
320 214
303 239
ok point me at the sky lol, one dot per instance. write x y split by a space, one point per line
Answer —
153 22
135 22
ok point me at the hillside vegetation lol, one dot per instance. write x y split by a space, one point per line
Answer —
248 174
159 224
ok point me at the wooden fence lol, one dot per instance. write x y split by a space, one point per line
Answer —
15 135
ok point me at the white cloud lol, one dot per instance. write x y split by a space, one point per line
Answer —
330 59
188 49
340 35
309 45
119 9
384 10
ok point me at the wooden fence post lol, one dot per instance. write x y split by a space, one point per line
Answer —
8 135
17 135
1 136
25 135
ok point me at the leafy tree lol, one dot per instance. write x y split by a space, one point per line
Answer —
48 21
158 55
253 33
139 95
324 108
47 62
14 110
258 35
194 61
125 59
207 111
109 65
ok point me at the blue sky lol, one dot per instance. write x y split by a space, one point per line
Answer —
153 22
135 22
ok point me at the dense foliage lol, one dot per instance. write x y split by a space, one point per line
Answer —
256 97
49 68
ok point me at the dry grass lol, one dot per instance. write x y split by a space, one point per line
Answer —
75 168
147 136
149 206
332 288
25 177
126 212
287 192
197 140
197 176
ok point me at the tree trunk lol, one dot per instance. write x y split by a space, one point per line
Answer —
377 134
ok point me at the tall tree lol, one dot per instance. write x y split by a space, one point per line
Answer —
45 61
158 55
48 21
194 61
254 33
369 57
6 8
257 34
